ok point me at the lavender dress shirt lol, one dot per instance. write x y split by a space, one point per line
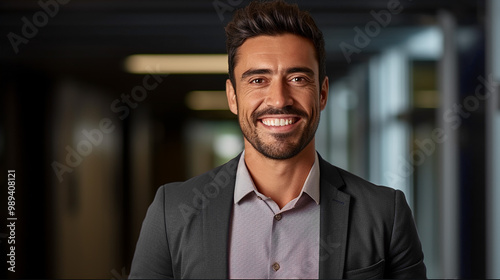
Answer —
269 242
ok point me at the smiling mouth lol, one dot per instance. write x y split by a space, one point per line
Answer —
279 121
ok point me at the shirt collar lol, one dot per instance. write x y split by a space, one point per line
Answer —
244 183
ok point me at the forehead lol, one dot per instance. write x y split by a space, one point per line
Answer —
277 51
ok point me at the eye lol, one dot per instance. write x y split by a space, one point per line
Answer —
257 81
299 79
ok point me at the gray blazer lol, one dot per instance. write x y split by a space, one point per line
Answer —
366 231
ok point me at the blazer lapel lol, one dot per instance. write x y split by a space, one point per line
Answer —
334 222
216 221
334 211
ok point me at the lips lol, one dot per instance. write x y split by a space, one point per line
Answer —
279 120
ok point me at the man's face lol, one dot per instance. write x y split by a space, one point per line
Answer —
278 96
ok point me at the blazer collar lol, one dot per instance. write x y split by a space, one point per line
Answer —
334 220
217 219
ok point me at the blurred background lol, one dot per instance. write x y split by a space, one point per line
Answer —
93 124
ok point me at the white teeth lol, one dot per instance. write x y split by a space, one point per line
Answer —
277 122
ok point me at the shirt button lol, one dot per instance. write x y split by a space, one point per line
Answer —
277 217
276 266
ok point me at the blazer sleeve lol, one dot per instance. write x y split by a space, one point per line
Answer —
407 259
152 255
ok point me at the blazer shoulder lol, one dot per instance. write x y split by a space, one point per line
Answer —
353 180
183 205
357 187
218 178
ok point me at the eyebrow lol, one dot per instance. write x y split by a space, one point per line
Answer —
251 72
306 70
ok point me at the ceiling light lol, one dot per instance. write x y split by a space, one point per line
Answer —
177 64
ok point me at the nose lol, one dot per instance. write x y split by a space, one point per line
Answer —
279 95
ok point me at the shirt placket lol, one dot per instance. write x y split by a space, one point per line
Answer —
276 263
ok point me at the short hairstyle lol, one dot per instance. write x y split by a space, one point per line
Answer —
272 18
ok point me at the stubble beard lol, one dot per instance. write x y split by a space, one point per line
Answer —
284 147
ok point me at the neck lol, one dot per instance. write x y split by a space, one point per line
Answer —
281 180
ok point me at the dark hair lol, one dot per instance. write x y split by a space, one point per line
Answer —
272 18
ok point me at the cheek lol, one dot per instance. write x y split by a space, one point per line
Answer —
247 105
310 104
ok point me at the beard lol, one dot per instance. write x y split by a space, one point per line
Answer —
285 145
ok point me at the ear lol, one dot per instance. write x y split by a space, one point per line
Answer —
324 93
231 97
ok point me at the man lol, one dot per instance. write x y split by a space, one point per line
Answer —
278 210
